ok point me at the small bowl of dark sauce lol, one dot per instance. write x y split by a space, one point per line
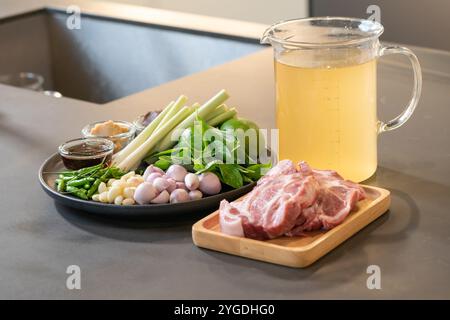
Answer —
86 152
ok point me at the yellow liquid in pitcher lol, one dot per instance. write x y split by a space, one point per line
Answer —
327 117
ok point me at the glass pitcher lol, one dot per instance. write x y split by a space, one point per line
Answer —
326 88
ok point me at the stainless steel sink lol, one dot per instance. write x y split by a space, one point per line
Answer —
108 59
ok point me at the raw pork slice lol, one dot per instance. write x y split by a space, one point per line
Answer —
335 200
287 201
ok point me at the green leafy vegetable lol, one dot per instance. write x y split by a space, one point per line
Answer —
231 175
207 149
256 171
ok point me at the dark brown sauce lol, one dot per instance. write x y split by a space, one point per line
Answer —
75 164
87 149
86 155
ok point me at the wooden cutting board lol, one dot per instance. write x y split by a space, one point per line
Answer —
295 252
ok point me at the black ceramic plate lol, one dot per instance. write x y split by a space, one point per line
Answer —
159 212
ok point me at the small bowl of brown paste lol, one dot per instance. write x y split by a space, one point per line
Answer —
119 132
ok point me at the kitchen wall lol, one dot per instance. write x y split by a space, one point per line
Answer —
263 11
416 22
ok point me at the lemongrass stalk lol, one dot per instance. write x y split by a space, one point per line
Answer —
194 107
201 112
133 160
191 109
222 117
144 135
219 110
179 103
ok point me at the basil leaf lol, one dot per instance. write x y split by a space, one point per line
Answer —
198 167
231 175
209 167
255 171
154 156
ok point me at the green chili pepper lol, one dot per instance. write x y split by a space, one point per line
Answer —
61 186
68 178
67 174
79 193
97 182
80 182
90 172
84 171
116 173
84 183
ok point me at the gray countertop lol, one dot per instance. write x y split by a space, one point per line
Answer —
411 243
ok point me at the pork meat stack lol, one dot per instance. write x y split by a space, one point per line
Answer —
289 201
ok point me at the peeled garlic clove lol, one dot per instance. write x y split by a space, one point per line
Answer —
113 193
128 202
118 200
134 181
103 197
129 192
102 187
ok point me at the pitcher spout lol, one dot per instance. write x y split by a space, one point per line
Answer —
266 39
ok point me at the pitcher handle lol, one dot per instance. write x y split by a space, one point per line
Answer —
417 88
